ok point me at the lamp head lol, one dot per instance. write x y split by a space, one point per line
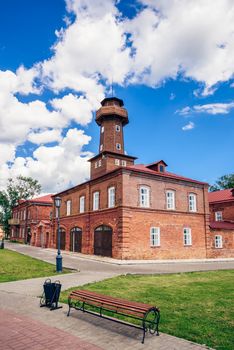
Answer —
57 202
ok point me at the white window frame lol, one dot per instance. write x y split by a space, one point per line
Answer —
155 236
187 236
123 163
218 241
117 161
95 165
68 206
170 199
24 214
192 202
117 128
96 200
144 196
111 197
101 148
100 163
218 216
102 129
82 204
118 146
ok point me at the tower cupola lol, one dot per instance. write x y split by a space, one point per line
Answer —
111 118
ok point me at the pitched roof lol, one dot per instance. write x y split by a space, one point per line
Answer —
143 168
221 196
43 199
223 225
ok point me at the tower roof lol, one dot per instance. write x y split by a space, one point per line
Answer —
114 99
112 107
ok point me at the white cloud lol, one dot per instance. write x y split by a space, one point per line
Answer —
210 108
45 136
188 126
188 37
74 108
58 167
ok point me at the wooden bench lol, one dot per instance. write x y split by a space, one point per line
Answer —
102 305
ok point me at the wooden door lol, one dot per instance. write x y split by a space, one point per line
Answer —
76 240
103 241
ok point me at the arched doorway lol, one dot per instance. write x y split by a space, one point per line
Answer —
103 240
76 239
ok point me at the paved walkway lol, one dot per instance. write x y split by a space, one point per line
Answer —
19 332
19 301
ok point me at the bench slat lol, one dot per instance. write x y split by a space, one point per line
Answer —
117 302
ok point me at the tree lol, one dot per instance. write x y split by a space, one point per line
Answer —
20 188
223 183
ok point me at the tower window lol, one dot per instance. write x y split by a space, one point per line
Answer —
118 146
95 165
101 148
117 128
100 162
123 162
117 162
102 129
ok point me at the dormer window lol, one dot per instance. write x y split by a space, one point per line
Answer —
118 146
117 128
161 168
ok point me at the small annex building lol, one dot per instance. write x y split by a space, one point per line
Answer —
31 221
221 239
132 211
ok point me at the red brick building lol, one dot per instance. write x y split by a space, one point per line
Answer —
220 242
130 211
31 221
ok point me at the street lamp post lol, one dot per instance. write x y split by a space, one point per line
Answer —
59 259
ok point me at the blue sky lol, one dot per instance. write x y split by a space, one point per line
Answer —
172 64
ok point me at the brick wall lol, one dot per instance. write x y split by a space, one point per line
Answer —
227 210
227 251
131 224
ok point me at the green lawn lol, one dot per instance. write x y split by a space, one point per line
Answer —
196 306
15 266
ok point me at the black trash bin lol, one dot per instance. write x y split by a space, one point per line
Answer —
51 293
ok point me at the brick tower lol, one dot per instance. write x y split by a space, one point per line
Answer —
111 118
